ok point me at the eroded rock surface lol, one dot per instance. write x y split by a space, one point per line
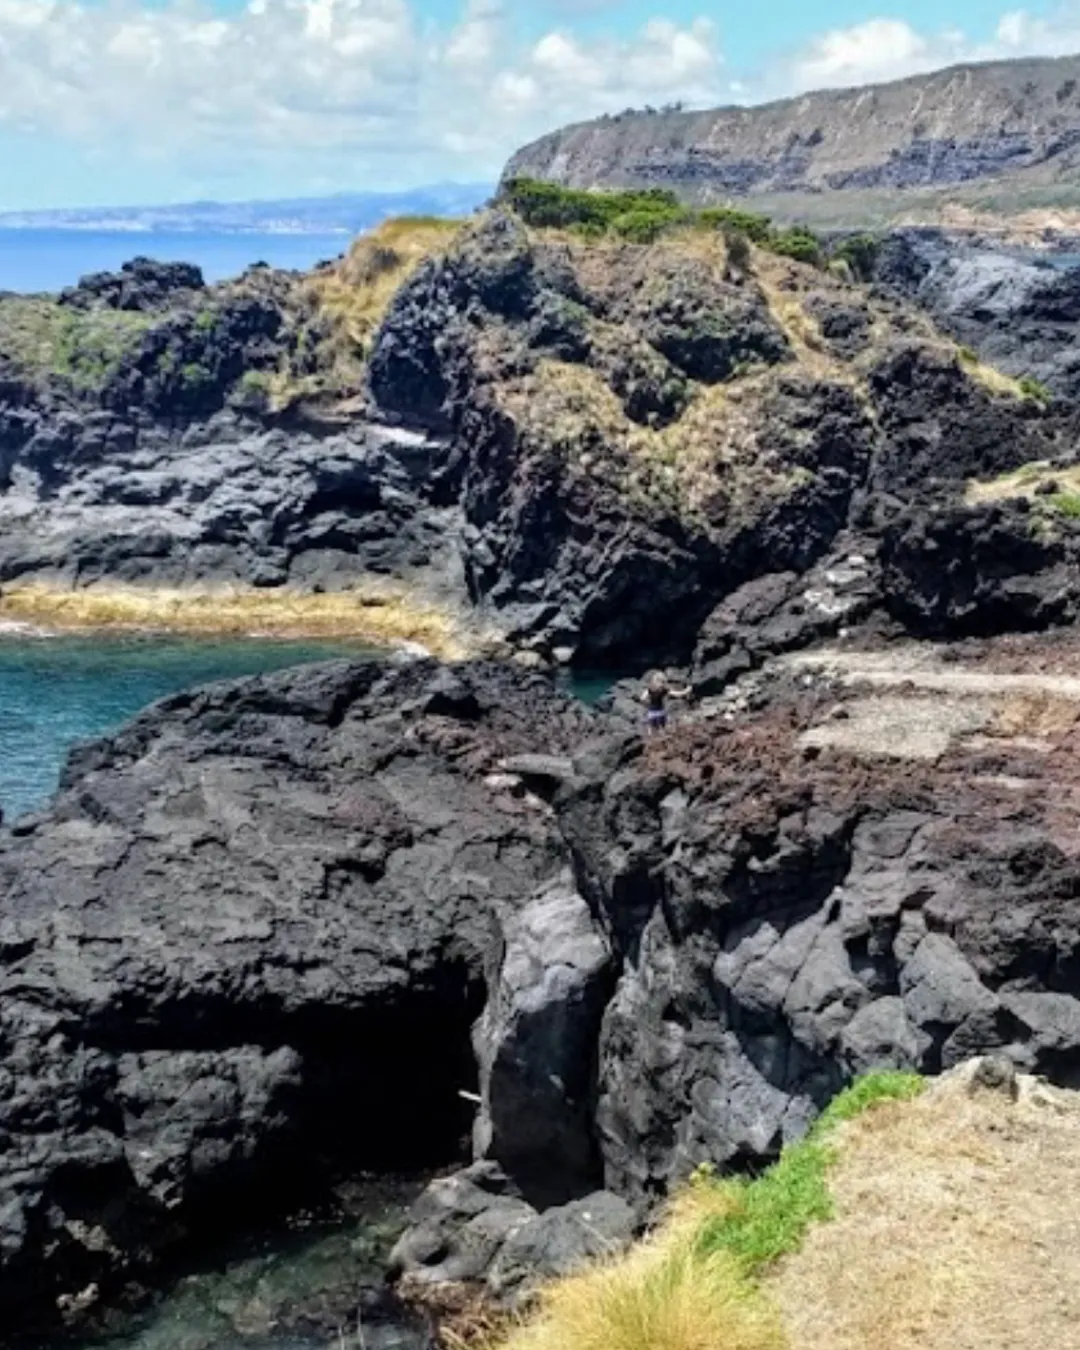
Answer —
586 446
247 943
341 914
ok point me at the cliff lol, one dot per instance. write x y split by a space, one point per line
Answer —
284 930
582 446
1003 135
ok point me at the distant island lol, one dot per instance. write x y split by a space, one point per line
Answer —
346 213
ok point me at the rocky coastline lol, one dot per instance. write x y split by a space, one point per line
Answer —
278 932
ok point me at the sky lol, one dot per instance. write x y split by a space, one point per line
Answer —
117 102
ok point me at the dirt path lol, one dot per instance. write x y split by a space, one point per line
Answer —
957 1228
916 666
906 703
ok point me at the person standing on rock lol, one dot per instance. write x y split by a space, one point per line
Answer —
655 695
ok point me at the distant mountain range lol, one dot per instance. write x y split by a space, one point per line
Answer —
346 213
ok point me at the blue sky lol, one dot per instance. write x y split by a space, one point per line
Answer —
126 101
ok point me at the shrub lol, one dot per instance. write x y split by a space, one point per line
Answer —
798 243
968 356
644 225
860 252
548 204
1034 389
644 215
755 227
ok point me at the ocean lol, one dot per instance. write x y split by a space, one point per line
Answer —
47 260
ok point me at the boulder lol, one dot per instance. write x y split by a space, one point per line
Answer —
536 1043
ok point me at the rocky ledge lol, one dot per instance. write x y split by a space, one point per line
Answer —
278 930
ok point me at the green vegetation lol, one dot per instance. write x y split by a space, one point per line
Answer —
798 243
968 356
1033 389
693 1284
43 339
643 216
195 378
756 228
548 205
860 253
770 1214
864 1094
255 382
1066 504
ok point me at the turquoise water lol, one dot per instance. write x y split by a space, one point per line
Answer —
58 690
48 260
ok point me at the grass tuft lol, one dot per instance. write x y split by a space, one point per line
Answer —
769 1215
1051 490
662 1296
693 1284
1033 389
866 1093
44 339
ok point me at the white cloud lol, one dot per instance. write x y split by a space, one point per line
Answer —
359 89
887 48
357 92
872 50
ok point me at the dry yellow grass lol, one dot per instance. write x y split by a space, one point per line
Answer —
1040 715
996 381
382 617
356 293
713 461
957 1228
662 1296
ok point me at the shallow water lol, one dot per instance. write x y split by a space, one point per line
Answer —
297 1288
56 691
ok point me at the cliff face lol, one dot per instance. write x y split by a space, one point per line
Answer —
585 446
970 125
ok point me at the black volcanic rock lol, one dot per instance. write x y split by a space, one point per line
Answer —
280 929
606 512
141 284
1018 309
246 947
982 570
591 443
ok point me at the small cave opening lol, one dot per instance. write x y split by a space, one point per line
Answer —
382 1100
393 1091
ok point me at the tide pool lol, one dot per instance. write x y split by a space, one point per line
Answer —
55 691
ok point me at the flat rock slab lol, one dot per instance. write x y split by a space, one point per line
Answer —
901 728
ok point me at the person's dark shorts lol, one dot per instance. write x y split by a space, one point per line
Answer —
656 718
